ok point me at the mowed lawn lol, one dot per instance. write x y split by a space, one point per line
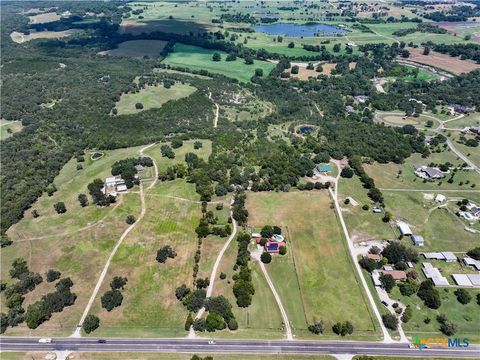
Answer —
326 277
152 97
76 243
196 58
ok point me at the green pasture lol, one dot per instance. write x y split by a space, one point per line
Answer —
196 58
152 97
8 128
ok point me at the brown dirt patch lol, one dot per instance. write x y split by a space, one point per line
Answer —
305 74
44 18
442 61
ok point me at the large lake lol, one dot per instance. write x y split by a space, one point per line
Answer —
298 30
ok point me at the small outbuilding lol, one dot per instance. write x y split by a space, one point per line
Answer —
440 198
418 240
404 228
462 280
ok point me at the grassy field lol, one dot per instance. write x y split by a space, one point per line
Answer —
77 243
152 97
149 307
137 48
465 317
321 261
441 230
262 318
362 224
196 58
387 175
469 120
8 128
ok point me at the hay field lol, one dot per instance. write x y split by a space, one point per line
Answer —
442 61
325 273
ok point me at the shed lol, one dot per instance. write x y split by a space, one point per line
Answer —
139 168
122 187
462 280
471 262
474 279
418 240
376 278
388 268
409 264
256 235
404 228
440 198
110 181
434 255
449 256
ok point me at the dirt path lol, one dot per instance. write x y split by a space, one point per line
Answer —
77 332
288 330
215 120
334 195
213 274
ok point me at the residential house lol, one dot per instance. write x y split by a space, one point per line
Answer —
273 246
398 275
376 257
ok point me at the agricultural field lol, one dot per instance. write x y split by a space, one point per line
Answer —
152 97
20 38
196 58
44 18
137 49
442 61
314 238
468 120
8 128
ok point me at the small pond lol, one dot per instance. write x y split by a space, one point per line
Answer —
298 30
96 155
306 129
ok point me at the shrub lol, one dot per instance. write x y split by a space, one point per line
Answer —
91 323
390 321
232 324
164 253
188 322
118 282
407 314
429 294
365 207
130 219
181 292
52 275
138 106
111 299
60 207
214 322
347 172
199 325
266 258
317 328
282 250
463 296
446 326
388 282
223 276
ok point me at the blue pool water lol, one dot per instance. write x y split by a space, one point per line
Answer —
306 129
298 30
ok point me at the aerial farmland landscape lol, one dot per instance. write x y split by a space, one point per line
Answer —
212 180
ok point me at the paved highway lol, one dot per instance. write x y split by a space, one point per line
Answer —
233 346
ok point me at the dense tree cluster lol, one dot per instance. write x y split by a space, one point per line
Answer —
429 294
164 253
126 169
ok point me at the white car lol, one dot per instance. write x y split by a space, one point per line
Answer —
45 340
211 342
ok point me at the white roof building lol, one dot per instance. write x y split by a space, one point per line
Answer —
404 228
474 279
434 255
472 262
462 280
434 274
111 181
256 235
409 264
449 256
122 188
418 240
388 268
440 198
